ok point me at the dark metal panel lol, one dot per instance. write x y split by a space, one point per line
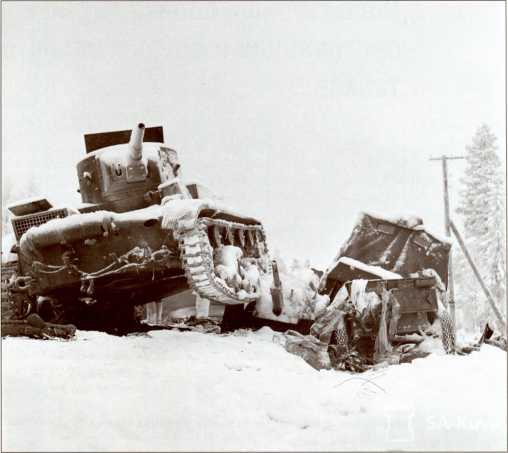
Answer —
90 186
104 139
30 207
378 242
193 190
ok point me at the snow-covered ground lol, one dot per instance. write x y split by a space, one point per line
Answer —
171 390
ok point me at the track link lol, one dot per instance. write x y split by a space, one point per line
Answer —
196 253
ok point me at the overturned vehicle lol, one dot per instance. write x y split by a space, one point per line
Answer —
139 235
387 288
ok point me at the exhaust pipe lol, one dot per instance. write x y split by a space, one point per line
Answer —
276 291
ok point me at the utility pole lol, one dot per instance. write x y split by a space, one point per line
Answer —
451 293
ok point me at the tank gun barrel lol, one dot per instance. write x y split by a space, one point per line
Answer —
136 142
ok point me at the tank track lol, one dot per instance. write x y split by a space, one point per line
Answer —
196 253
15 303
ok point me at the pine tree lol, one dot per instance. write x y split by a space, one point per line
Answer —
295 265
482 209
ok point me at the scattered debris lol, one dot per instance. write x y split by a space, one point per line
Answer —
309 348
487 337
205 325
33 326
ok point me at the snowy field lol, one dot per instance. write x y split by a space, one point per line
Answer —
171 390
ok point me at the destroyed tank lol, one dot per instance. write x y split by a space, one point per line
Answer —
141 234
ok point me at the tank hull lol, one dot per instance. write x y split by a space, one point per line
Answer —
96 266
114 250
150 236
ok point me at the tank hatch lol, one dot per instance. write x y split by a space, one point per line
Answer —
100 140
29 206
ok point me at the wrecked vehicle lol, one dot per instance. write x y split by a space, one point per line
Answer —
140 234
387 288
383 251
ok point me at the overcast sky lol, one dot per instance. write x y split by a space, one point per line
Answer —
300 114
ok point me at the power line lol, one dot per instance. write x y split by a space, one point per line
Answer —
444 159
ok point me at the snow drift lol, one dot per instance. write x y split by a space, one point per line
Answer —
171 390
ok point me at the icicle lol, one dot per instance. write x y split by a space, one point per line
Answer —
358 294
394 319
251 237
261 248
230 235
241 237
217 236
383 346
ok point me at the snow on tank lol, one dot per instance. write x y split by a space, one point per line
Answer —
141 233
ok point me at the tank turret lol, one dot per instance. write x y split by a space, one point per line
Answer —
121 171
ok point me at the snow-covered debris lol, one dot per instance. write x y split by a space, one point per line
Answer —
431 273
358 287
188 209
355 264
226 263
301 299
362 300
410 221
309 348
407 220
401 246
169 391
251 273
376 270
